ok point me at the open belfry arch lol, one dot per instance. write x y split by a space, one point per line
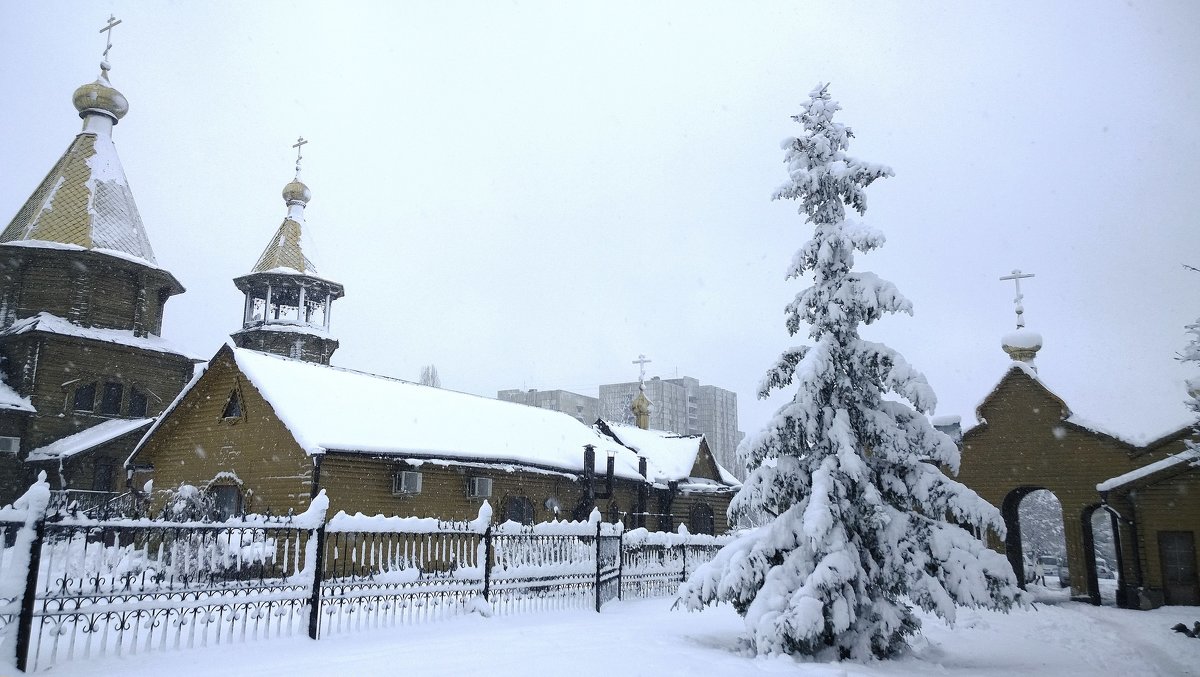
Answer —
288 304
1028 439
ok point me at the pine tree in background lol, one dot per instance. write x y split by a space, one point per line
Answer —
855 511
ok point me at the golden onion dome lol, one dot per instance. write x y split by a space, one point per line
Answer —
296 193
100 97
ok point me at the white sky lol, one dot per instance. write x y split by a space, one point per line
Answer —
531 194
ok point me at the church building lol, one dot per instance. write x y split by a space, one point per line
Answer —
83 368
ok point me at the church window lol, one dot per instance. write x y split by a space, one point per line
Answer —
406 482
226 501
518 509
102 475
700 520
233 408
479 487
110 399
85 397
10 445
614 513
137 403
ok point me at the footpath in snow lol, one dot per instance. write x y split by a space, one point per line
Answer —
646 637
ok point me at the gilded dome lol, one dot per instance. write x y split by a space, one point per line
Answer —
100 97
296 193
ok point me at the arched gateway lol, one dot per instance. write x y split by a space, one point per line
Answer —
1027 439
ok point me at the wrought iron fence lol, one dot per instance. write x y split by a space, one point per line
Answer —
74 585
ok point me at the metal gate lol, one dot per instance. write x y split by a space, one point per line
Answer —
608 567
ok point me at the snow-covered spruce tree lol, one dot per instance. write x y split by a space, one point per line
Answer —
859 520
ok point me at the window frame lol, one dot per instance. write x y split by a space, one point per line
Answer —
398 482
473 484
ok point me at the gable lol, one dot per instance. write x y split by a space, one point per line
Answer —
1020 394
705 465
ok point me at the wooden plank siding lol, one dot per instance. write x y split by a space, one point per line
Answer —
1023 443
196 445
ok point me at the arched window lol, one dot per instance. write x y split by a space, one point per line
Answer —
700 519
226 501
518 509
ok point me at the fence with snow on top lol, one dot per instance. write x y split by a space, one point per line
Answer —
74 585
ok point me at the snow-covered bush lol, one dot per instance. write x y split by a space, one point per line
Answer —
861 521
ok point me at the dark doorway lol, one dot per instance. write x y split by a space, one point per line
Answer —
700 519
1177 552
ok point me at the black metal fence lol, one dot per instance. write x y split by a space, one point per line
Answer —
75 586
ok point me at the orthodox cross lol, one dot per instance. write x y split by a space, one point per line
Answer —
1016 277
112 23
641 361
299 142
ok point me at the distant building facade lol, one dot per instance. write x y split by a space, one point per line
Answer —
684 406
581 407
680 405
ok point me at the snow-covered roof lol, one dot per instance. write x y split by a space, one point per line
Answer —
10 400
85 200
87 439
331 409
1190 456
53 324
670 456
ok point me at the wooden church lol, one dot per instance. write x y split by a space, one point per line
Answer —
83 368
91 393
269 422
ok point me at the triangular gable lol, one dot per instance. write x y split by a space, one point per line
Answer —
1019 376
706 465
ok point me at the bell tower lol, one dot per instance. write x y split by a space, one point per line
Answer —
288 303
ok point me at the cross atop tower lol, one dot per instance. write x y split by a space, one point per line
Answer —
641 361
1016 277
108 28
300 141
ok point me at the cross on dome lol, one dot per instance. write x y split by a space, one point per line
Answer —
300 141
641 361
113 21
1016 277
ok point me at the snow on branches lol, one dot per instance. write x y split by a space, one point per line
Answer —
858 521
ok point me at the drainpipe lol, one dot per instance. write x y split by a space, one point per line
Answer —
316 475
643 494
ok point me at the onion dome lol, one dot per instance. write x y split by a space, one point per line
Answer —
1022 345
100 97
296 193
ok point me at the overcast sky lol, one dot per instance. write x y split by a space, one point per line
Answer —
529 195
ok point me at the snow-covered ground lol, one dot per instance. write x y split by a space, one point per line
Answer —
646 637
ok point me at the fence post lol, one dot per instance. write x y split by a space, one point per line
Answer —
314 612
683 547
598 562
620 564
25 621
487 563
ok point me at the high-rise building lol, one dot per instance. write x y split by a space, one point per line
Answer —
684 406
585 409
679 405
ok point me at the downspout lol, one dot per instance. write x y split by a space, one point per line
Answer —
643 494
316 475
